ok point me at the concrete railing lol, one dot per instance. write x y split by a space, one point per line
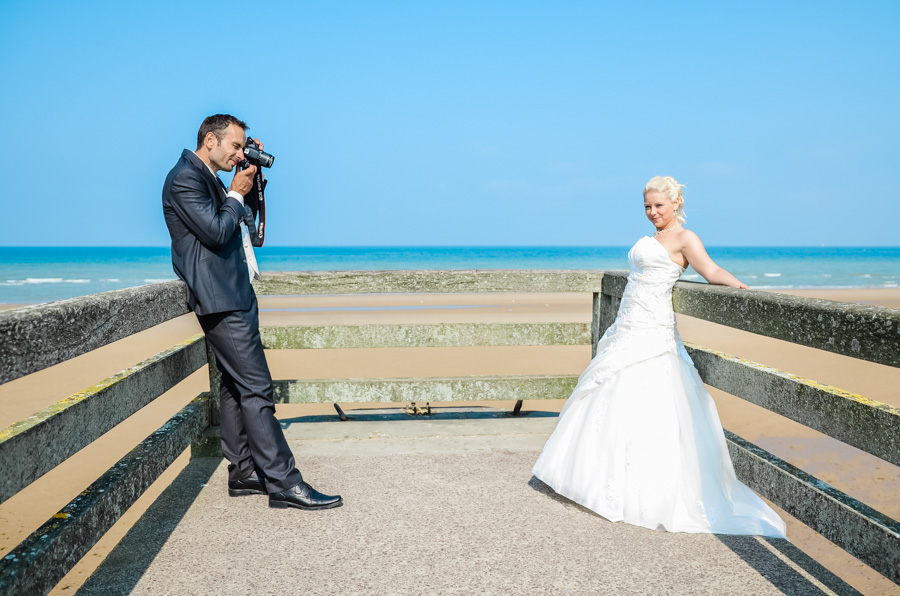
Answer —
864 332
34 338
422 335
37 337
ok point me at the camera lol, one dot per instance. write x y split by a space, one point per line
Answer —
253 156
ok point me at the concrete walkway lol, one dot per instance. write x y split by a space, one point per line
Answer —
432 506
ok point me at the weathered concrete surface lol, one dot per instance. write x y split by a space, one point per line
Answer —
32 447
610 298
424 281
868 535
852 525
41 560
862 331
35 337
425 389
425 335
430 508
864 423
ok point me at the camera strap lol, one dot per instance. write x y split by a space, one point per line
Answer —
255 210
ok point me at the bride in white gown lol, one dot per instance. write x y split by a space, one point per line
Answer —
640 440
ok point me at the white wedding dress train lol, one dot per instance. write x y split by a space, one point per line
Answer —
639 440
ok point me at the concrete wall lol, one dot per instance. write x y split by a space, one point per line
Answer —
430 389
35 337
868 535
856 420
34 446
866 332
42 559
438 281
425 335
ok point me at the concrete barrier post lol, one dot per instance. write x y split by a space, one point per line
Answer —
612 288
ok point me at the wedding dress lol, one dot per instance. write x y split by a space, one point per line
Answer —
639 440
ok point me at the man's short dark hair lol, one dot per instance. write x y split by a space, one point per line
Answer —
217 124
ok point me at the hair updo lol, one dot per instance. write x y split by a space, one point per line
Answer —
669 187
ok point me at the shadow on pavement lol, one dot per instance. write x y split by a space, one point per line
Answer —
778 572
125 565
396 413
784 577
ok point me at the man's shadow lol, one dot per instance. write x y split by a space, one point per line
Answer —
123 568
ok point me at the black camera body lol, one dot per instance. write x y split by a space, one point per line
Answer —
255 200
254 156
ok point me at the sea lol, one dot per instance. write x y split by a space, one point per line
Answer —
32 275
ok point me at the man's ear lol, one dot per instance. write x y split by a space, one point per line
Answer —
210 141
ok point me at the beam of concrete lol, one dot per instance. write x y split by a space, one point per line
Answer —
32 447
869 425
44 558
35 337
868 535
424 281
858 330
426 335
425 389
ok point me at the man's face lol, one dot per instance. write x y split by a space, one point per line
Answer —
225 155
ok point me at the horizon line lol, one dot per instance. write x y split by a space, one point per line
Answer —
407 246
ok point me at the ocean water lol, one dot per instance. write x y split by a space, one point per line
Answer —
32 275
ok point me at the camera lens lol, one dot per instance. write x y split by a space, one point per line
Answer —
257 157
265 159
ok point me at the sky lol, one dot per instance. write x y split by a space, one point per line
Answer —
506 123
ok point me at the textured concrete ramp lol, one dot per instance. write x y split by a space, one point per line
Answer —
445 507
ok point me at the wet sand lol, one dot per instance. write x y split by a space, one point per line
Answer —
860 475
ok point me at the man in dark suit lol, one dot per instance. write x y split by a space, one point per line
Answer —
204 222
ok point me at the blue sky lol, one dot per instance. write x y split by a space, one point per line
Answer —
470 123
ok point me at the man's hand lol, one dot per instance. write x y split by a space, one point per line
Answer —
243 180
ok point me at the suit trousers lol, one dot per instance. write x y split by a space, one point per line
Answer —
252 439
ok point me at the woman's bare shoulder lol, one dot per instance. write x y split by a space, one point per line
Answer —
689 238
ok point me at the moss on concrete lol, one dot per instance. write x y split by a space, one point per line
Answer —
856 420
862 331
433 335
423 281
425 389
35 337
858 330
34 446
42 559
869 535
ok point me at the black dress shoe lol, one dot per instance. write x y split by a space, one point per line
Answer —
303 496
251 485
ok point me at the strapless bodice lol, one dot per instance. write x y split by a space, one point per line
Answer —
647 300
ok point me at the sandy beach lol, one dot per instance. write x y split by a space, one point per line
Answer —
862 476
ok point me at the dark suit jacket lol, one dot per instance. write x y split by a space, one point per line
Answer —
207 252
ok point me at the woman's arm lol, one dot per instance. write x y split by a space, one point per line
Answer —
695 253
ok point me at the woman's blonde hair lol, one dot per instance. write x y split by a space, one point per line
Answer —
674 191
